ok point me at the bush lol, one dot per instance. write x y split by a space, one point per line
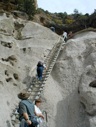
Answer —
27 6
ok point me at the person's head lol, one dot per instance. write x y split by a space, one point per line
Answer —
38 102
39 63
23 95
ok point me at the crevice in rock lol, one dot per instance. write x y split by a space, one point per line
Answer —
6 72
15 76
11 59
93 84
6 44
8 79
15 84
18 25
24 49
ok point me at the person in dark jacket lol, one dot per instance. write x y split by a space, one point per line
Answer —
27 114
40 68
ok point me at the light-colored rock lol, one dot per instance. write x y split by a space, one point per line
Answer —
16 73
64 106
93 122
87 93
13 118
67 86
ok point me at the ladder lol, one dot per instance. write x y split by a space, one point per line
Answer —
36 87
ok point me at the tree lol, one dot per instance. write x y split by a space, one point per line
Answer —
63 16
92 19
76 14
94 10
6 1
82 19
76 11
27 6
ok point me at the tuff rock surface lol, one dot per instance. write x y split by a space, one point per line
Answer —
22 44
73 95
69 93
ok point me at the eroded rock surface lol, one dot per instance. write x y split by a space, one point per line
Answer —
74 100
22 45
69 94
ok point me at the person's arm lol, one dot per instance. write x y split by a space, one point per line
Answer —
26 117
23 111
44 66
39 115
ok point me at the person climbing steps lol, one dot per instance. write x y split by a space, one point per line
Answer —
40 68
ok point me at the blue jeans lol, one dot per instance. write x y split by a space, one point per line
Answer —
40 72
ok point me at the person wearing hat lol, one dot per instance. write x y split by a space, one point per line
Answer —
38 111
27 114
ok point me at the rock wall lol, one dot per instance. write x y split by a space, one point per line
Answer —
70 99
22 44
69 94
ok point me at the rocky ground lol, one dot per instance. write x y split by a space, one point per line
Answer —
68 98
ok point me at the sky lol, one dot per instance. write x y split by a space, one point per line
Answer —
83 6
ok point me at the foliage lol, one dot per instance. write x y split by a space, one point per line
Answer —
76 11
63 16
6 1
76 14
27 6
82 19
69 21
57 21
92 19
39 10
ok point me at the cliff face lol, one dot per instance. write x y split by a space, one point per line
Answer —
71 100
22 44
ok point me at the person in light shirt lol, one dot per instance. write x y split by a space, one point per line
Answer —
65 35
38 111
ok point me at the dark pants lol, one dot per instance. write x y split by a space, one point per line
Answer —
65 39
31 125
39 72
24 124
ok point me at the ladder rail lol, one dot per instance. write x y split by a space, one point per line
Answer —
36 87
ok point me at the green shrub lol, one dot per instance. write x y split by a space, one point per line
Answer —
27 6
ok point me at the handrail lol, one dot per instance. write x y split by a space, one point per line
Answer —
44 112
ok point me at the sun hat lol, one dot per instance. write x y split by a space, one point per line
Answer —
23 95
